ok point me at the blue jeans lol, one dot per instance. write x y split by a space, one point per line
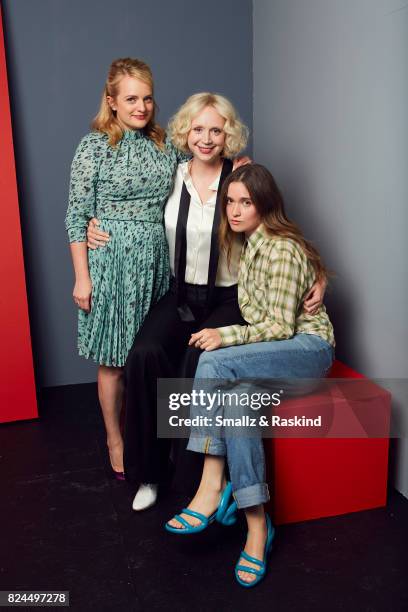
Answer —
303 356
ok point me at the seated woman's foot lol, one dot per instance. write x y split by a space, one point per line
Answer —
205 501
116 456
255 547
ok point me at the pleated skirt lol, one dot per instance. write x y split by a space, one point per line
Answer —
129 275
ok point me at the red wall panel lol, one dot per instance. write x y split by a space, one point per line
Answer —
17 385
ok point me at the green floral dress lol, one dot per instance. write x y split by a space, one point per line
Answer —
126 188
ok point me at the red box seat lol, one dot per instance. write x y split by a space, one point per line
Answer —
346 470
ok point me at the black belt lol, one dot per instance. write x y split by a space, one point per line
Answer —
197 295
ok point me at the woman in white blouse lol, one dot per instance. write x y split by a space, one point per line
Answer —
203 291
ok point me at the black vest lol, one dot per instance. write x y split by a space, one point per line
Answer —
181 247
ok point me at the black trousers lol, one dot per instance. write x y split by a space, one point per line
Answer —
161 350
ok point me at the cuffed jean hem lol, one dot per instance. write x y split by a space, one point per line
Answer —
207 445
252 496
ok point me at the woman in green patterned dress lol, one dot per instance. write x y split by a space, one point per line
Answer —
122 173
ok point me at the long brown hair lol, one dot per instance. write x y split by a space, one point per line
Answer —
106 121
268 202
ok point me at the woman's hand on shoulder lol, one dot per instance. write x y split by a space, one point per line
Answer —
314 299
241 161
206 339
95 237
82 293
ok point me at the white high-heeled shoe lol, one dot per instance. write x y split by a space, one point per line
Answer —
145 497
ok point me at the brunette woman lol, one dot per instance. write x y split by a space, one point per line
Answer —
278 267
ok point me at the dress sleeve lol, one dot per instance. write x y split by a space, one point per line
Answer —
182 157
82 200
283 278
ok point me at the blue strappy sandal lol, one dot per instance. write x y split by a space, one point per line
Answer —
226 514
259 573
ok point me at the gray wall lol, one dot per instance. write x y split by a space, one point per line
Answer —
330 91
331 122
58 52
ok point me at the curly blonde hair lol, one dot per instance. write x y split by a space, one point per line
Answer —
236 133
106 121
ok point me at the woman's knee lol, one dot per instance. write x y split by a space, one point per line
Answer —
110 373
210 365
143 354
190 362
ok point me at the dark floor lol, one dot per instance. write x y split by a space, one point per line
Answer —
66 525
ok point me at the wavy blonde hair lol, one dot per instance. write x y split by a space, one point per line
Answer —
106 121
236 133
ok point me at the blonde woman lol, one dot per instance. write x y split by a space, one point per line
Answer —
122 173
203 290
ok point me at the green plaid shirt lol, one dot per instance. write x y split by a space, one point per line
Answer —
274 277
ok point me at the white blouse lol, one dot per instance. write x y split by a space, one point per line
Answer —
199 227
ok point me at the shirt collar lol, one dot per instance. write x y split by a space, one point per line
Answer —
185 172
132 134
256 238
